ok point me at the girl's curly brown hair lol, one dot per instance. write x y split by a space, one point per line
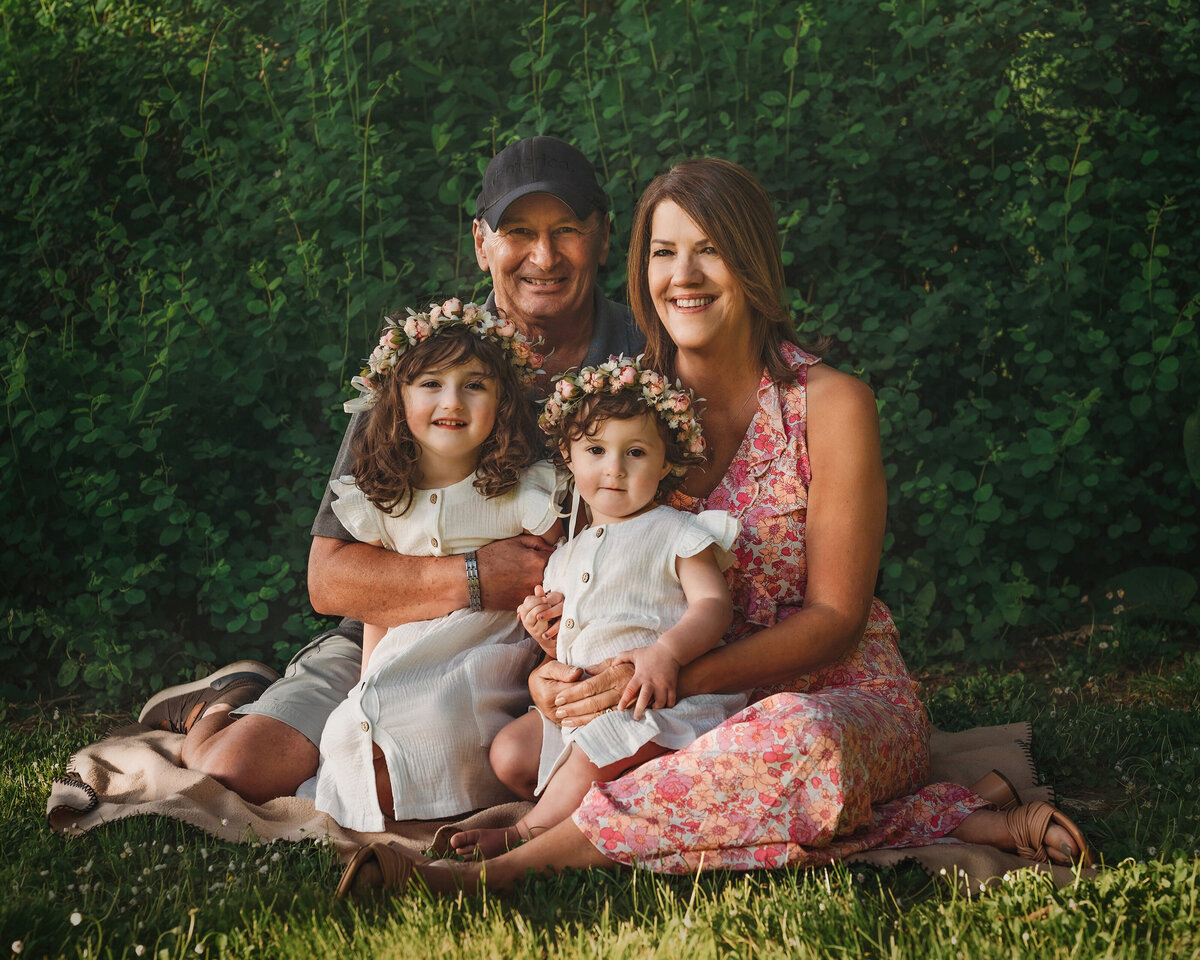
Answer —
385 453
586 418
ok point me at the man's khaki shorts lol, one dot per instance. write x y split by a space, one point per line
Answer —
315 682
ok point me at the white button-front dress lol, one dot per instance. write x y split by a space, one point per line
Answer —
622 592
435 692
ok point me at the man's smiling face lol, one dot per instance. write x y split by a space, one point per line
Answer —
543 259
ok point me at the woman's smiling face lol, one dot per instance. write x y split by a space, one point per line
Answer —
697 298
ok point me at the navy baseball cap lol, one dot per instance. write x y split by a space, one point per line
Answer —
539 165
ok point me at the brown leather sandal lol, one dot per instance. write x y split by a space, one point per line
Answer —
1028 824
394 864
997 790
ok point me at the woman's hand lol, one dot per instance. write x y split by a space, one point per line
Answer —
571 697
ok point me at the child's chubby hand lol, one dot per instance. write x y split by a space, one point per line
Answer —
539 613
655 672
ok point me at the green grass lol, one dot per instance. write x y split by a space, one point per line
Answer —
1117 733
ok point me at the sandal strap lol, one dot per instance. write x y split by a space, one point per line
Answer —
395 866
997 790
1027 825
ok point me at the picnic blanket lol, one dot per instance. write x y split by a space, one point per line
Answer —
136 771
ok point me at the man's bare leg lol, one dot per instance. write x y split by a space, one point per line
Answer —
256 756
559 800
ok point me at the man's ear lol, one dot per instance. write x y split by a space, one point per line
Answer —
606 226
478 232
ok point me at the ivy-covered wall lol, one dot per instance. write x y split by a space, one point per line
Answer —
992 209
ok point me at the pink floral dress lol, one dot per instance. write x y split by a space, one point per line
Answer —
804 775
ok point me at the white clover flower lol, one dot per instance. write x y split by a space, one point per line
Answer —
76 918
166 848
18 946
138 950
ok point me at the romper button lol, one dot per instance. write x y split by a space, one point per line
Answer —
569 623
433 498
366 726
600 531
587 577
433 541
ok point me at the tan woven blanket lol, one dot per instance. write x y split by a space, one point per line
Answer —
136 771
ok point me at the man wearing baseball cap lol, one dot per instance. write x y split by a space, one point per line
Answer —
541 230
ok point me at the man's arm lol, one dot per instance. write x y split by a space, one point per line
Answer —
352 579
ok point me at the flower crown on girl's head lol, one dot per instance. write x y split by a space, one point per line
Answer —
402 332
674 404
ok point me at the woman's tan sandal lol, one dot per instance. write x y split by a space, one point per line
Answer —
394 865
997 790
1028 824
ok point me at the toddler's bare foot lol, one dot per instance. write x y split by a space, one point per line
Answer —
482 844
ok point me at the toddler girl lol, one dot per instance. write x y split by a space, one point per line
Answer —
444 463
642 583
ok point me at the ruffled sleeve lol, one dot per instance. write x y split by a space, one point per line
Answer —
715 528
542 486
358 515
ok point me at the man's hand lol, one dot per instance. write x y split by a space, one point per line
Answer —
509 570
655 672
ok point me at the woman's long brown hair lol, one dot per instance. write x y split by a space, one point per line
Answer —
385 453
735 213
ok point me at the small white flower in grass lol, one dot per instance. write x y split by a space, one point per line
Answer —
954 941
167 848
224 822
263 868
1025 936
859 877
51 895
18 946
76 918
1152 850
942 872
820 906
199 948
138 950
276 857
204 853
133 890
44 873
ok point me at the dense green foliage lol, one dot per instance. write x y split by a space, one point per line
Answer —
205 209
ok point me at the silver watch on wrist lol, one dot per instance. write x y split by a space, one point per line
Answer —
473 591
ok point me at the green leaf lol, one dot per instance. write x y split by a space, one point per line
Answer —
1191 445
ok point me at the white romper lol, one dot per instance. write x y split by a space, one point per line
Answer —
622 592
436 691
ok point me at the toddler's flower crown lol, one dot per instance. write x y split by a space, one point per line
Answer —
674 404
402 332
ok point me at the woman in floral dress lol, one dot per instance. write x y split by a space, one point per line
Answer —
831 756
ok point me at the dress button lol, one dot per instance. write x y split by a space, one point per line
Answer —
599 531
366 726
586 577
433 498
433 542
569 623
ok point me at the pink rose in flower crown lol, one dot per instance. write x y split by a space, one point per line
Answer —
472 312
435 311
593 381
506 328
679 403
451 307
521 350
566 389
627 376
653 381
697 445
424 329
410 328
536 360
